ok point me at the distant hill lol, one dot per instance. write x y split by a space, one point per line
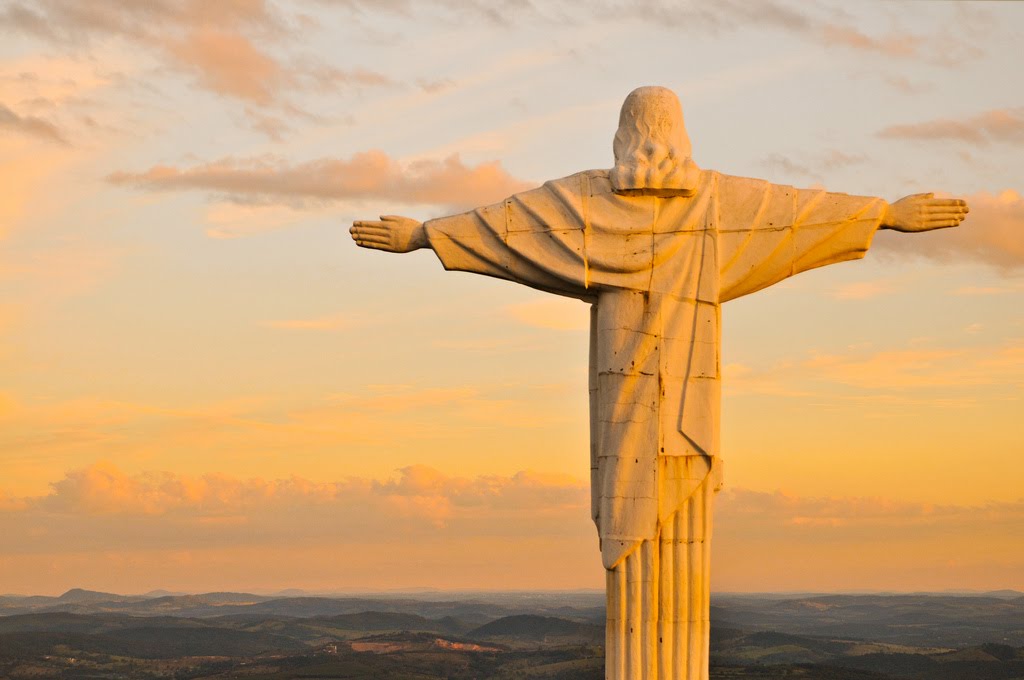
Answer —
538 628
148 643
380 621
367 643
80 596
923 620
942 620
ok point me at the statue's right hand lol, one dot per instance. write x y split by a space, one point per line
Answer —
391 233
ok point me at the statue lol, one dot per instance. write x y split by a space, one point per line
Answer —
656 245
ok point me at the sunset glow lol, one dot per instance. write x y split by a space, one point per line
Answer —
207 386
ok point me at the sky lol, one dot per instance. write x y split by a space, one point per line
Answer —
208 386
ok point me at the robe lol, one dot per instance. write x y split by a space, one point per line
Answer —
656 271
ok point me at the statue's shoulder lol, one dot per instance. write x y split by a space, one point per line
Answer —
597 179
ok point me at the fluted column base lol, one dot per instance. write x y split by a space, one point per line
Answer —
659 600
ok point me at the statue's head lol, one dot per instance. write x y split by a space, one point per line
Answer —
652 149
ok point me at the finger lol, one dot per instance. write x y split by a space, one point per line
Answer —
945 209
379 233
944 224
933 217
373 239
369 223
947 202
373 246
392 218
930 194
375 231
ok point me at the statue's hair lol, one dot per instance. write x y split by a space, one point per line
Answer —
652 149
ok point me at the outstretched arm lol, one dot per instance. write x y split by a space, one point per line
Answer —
391 233
769 232
924 212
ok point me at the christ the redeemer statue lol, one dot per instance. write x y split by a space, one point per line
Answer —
656 245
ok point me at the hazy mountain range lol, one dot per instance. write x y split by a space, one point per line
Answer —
469 635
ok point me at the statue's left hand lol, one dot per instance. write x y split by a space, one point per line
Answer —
391 233
924 212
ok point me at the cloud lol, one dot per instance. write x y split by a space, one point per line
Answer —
326 76
366 175
910 375
331 322
32 186
423 526
102 527
819 24
786 164
830 543
992 234
817 166
404 398
862 290
225 44
905 85
448 422
415 498
891 45
989 290
1005 126
904 369
69 20
754 510
31 126
555 313
229 64
236 220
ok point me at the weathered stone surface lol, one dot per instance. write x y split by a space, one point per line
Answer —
656 245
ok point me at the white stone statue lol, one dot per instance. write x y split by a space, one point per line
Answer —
656 245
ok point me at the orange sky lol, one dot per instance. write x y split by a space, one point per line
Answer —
207 386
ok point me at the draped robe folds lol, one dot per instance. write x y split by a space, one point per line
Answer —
656 271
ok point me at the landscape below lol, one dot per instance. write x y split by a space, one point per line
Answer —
85 634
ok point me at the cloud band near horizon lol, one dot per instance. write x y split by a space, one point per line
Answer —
100 508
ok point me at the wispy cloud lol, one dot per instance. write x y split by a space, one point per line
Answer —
783 509
916 368
892 45
232 48
330 322
862 290
561 314
905 84
237 220
993 234
989 290
909 374
1004 126
383 419
829 543
31 126
814 22
366 175
816 166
